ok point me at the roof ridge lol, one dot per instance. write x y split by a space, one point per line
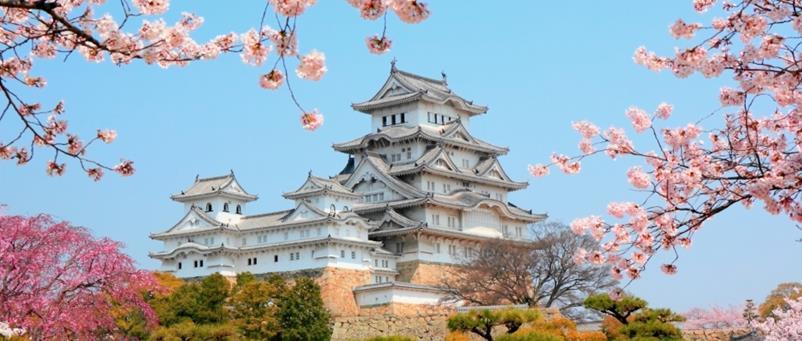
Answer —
410 74
267 214
216 177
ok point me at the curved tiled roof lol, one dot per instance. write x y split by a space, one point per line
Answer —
415 87
316 185
446 135
219 185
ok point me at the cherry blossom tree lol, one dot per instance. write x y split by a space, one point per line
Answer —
46 29
786 323
715 318
56 280
749 153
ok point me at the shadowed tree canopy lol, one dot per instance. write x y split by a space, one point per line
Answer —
541 272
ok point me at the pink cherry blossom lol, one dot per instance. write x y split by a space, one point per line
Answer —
638 178
371 9
587 129
669 269
312 66
410 11
271 80
152 6
640 120
55 169
702 6
125 168
59 280
786 323
254 52
378 45
107 135
731 317
538 170
311 120
95 173
682 30
291 8
663 111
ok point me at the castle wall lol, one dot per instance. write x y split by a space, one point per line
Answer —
416 321
422 272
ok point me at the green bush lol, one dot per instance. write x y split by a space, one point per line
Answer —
530 336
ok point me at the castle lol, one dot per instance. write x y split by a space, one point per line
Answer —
416 197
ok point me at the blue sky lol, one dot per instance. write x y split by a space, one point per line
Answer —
537 65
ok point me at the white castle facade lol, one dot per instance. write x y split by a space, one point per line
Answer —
417 196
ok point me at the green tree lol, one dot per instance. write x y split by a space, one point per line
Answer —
654 324
188 331
200 302
482 321
620 309
302 315
254 309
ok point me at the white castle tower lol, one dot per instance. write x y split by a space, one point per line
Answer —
417 196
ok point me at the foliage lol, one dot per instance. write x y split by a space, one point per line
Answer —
749 155
653 323
302 315
539 273
620 309
556 327
784 324
714 318
200 302
482 321
60 281
531 336
254 309
777 298
611 327
458 336
187 330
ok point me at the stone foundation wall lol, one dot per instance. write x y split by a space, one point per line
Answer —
714 334
418 322
336 288
420 272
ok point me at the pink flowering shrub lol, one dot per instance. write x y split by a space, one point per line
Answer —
750 156
787 325
59 282
731 317
35 30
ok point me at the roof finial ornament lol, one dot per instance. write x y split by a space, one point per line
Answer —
445 78
232 171
310 173
392 64
197 176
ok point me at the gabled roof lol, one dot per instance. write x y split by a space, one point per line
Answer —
225 185
462 199
437 161
452 134
284 218
193 212
375 162
405 87
390 215
314 186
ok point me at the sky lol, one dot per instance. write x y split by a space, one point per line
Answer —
537 65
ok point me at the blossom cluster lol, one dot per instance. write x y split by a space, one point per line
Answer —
691 173
46 29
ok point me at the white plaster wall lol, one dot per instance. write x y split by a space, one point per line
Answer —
396 295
